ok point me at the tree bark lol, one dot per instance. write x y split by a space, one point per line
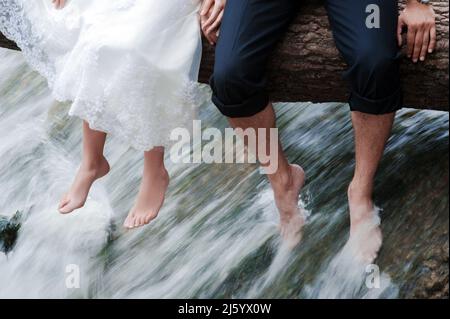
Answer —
307 66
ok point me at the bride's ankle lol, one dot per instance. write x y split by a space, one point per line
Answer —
164 174
159 173
94 165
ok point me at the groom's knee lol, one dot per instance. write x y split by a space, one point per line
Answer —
238 89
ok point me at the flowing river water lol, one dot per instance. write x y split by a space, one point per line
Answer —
217 234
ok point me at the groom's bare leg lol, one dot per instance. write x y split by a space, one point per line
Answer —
287 181
249 34
373 57
371 135
93 166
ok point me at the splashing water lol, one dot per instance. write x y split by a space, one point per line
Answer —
217 234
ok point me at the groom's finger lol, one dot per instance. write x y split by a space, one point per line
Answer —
214 15
203 19
208 37
206 6
212 38
216 24
59 4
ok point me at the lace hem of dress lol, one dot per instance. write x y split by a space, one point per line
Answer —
192 95
15 26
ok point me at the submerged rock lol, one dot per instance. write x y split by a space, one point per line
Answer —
9 228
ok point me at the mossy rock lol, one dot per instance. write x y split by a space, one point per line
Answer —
9 229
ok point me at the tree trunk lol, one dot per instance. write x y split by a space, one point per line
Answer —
308 67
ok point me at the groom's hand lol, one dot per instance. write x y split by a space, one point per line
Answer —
211 15
420 20
59 4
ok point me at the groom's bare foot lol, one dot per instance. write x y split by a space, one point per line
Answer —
365 232
87 174
150 198
286 193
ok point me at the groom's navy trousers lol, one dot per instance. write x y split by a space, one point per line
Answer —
251 30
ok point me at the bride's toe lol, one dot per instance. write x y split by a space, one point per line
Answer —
128 221
66 209
139 221
136 222
64 201
148 219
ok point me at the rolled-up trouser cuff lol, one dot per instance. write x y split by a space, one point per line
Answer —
250 107
387 105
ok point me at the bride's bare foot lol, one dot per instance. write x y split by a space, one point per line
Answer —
286 194
87 174
150 198
365 232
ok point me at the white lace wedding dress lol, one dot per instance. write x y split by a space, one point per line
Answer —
129 67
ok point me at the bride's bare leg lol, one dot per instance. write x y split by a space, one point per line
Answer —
93 166
152 190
